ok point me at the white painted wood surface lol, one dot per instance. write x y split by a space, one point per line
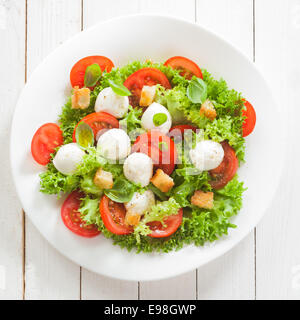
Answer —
266 264
12 34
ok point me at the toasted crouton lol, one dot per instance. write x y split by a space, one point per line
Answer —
203 199
147 95
80 98
132 219
208 110
103 179
162 181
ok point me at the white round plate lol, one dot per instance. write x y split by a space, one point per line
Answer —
123 40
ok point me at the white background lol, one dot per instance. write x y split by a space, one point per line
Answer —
266 265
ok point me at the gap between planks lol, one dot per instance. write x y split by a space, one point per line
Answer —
253 24
23 212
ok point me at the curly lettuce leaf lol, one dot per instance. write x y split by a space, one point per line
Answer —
89 209
187 185
226 101
54 182
87 185
70 117
132 123
182 110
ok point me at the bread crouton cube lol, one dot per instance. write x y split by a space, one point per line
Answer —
147 95
132 219
162 181
203 199
208 110
80 98
103 179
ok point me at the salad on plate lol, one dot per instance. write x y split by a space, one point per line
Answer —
147 153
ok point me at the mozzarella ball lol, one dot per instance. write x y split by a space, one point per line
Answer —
68 158
110 102
138 168
114 144
151 111
140 202
207 155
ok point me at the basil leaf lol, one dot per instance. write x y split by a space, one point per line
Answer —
119 88
84 135
157 192
159 119
92 75
196 90
122 191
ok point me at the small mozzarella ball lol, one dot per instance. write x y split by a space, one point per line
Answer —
68 158
151 111
138 168
114 144
141 202
110 102
207 155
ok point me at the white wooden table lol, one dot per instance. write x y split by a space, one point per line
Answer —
266 265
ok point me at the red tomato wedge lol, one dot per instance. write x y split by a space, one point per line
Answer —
172 222
113 216
159 147
71 216
78 70
48 137
98 121
249 123
188 67
144 77
177 132
226 170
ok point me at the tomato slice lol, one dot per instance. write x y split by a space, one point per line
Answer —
98 121
144 77
226 170
177 132
71 216
159 147
188 67
113 216
48 137
172 222
78 70
249 123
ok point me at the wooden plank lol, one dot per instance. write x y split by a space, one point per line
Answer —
48 274
177 8
277 53
95 286
233 275
184 286
230 276
12 53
